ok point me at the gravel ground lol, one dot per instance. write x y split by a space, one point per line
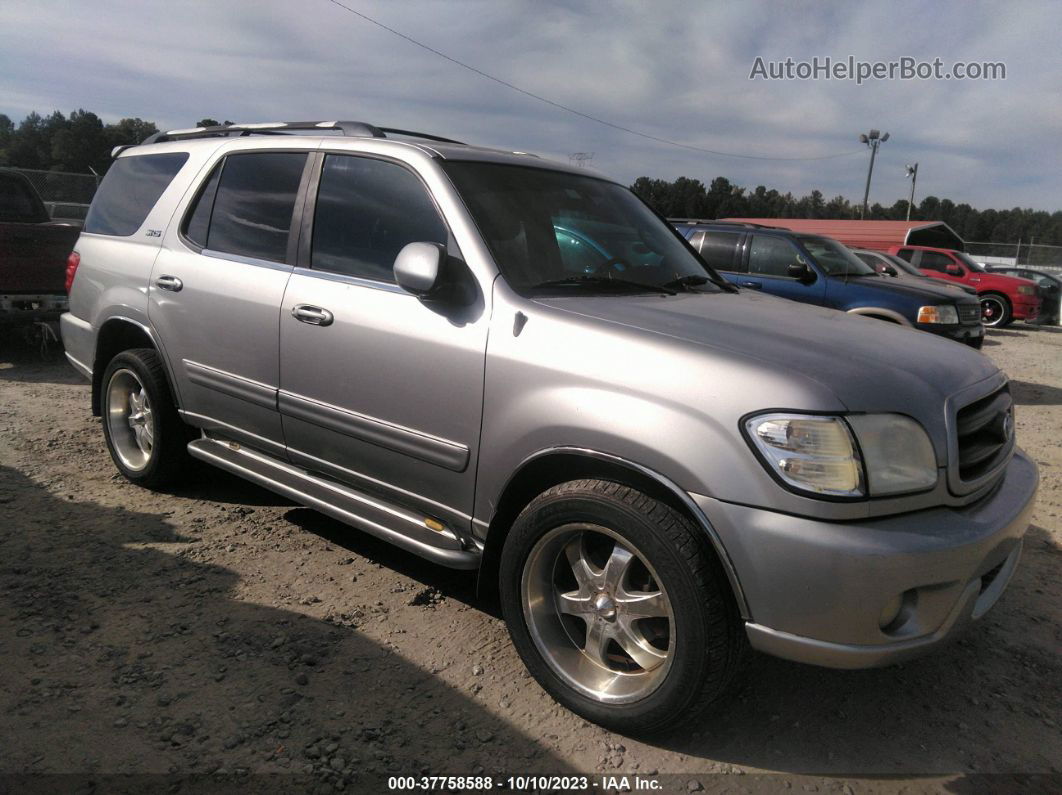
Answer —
221 631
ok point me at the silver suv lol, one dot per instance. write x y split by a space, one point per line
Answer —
501 363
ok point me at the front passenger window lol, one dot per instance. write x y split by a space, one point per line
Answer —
771 256
367 211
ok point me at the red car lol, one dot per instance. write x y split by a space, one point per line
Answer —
1003 298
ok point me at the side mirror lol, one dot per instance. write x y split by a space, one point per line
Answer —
953 270
418 268
889 270
800 272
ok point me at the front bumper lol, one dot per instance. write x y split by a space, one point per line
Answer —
1026 309
972 335
819 592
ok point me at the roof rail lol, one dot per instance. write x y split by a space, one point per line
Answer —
358 129
747 224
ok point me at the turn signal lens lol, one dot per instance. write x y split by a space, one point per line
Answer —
814 454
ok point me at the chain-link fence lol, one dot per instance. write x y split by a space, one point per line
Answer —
1029 255
65 194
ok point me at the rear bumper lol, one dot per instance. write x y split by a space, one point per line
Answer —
819 592
79 342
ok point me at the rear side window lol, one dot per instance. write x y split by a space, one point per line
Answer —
17 203
906 253
717 249
367 211
253 205
771 256
129 192
933 261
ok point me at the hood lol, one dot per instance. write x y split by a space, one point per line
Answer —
869 364
949 290
912 288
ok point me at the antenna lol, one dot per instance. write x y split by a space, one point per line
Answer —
580 159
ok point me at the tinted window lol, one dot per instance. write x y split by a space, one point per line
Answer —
771 256
905 253
254 203
367 210
717 249
198 222
17 203
833 257
933 261
129 191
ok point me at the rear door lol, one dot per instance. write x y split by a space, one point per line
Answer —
378 388
216 289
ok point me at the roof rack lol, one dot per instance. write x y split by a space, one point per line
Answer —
357 129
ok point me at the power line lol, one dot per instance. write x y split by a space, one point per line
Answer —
568 109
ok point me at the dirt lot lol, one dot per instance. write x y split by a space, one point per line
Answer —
221 630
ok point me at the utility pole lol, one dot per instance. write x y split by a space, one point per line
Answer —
872 139
912 174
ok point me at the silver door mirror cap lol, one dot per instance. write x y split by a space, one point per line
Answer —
418 268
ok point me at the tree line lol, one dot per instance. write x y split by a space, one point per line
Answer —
82 143
690 198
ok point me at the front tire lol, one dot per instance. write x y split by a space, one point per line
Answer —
145 436
995 310
619 607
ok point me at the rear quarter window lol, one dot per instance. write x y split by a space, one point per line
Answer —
129 192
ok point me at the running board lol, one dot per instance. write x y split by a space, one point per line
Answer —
422 535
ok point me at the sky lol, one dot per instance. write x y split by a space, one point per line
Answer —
673 70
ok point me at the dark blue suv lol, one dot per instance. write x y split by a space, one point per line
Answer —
819 270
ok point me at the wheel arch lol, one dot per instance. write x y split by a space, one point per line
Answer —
880 313
549 468
119 334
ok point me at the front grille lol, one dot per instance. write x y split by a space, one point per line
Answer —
984 431
969 313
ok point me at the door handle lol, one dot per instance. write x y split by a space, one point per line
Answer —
751 285
171 283
314 315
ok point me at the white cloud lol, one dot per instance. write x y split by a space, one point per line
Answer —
675 70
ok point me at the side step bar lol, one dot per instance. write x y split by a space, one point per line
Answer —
394 524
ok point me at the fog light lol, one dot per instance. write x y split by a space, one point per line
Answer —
891 611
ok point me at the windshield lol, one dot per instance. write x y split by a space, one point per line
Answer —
968 262
835 259
558 232
904 266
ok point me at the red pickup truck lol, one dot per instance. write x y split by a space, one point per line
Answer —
33 253
1003 298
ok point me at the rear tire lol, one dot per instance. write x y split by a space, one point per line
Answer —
145 435
619 607
995 310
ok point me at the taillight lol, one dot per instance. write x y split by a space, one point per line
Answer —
71 269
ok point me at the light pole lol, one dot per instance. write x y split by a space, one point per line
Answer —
872 139
912 173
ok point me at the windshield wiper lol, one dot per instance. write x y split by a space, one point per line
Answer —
687 282
606 281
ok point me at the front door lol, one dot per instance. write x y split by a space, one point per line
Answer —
215 295
769 259
378 388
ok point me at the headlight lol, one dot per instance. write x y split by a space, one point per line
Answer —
820 455
897 453
1026 289
944 314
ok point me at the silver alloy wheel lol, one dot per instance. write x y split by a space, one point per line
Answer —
129 419
992 310
598 613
